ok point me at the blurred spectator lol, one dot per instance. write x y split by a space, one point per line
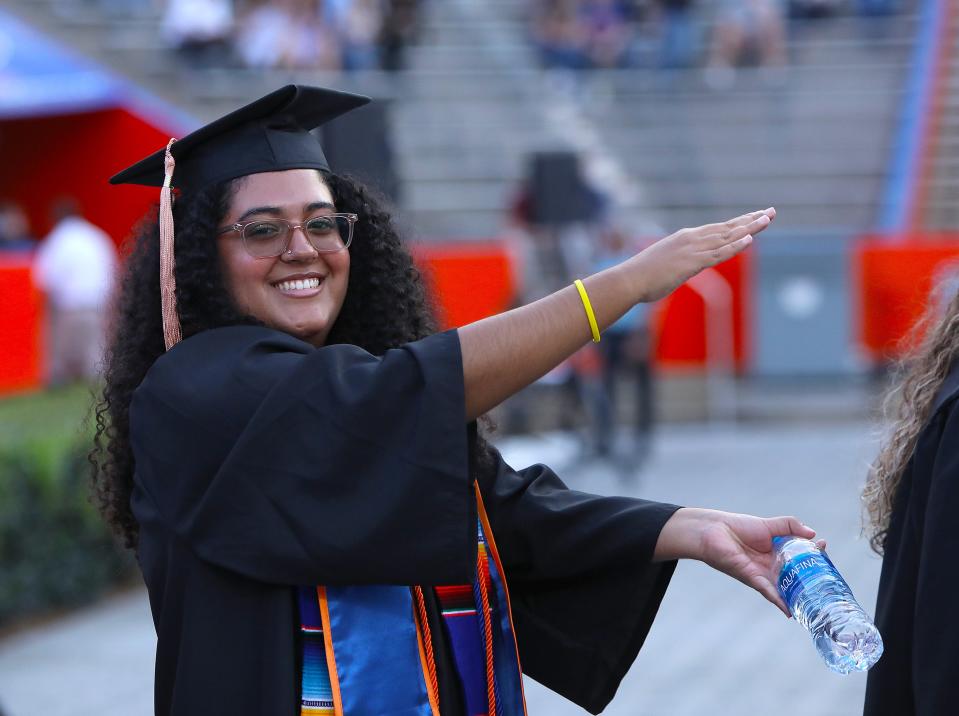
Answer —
14 229
626 351
560 37
288 34
199 30
608 32
601 34
75 267
875 8
678 44
744 26
128 8
812 9
584 34
261 35
399 28
360 29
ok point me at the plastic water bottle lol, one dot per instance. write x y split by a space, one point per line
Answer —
821 601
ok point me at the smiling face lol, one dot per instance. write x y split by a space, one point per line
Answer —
301 291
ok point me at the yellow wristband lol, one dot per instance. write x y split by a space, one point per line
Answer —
589 310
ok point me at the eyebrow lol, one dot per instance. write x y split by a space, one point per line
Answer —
277 211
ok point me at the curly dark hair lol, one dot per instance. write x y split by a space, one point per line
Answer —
386 305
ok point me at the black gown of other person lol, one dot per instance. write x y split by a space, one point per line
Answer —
263 463
918 674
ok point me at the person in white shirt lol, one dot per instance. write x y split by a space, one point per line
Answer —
199 30
75 267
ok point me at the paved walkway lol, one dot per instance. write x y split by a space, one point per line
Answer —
716 648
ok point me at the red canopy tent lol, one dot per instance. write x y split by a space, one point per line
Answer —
66 125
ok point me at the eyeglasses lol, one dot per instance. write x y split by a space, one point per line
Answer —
327 233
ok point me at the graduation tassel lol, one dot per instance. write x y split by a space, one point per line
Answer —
171 322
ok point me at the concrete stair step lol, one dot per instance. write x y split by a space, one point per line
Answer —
521 53
700 142
944 221
442 224
612 114
792 217
453 196
825 195
495 194
483 167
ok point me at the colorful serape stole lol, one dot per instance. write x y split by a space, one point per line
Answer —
317 698
468 613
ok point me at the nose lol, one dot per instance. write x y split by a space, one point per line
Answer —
299 248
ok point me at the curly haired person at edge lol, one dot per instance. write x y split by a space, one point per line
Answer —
910 500
320 524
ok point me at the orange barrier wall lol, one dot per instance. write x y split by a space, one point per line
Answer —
469 280
681 321
21 337
894 284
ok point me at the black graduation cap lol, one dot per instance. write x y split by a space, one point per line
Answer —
270 134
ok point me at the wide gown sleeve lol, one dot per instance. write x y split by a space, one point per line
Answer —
583 587
294 465
935 670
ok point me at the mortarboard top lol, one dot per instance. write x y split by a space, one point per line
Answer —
269 134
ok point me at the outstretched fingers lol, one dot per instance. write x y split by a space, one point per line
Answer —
726 251
724 228
720 242
731 235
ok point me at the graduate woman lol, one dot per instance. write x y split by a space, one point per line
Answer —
292 450
912 498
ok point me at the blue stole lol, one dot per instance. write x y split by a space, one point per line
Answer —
378 655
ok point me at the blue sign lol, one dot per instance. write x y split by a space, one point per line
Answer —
40 77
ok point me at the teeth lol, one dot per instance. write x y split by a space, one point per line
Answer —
298 284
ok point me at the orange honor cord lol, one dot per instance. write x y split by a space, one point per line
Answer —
494 553
171 322
481 574
425 640
330 659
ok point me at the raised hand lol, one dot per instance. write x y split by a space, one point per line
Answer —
661 268
502 354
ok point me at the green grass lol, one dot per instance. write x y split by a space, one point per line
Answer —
46 424
55 550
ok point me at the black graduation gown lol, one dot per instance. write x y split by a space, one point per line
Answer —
264 463
918 674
